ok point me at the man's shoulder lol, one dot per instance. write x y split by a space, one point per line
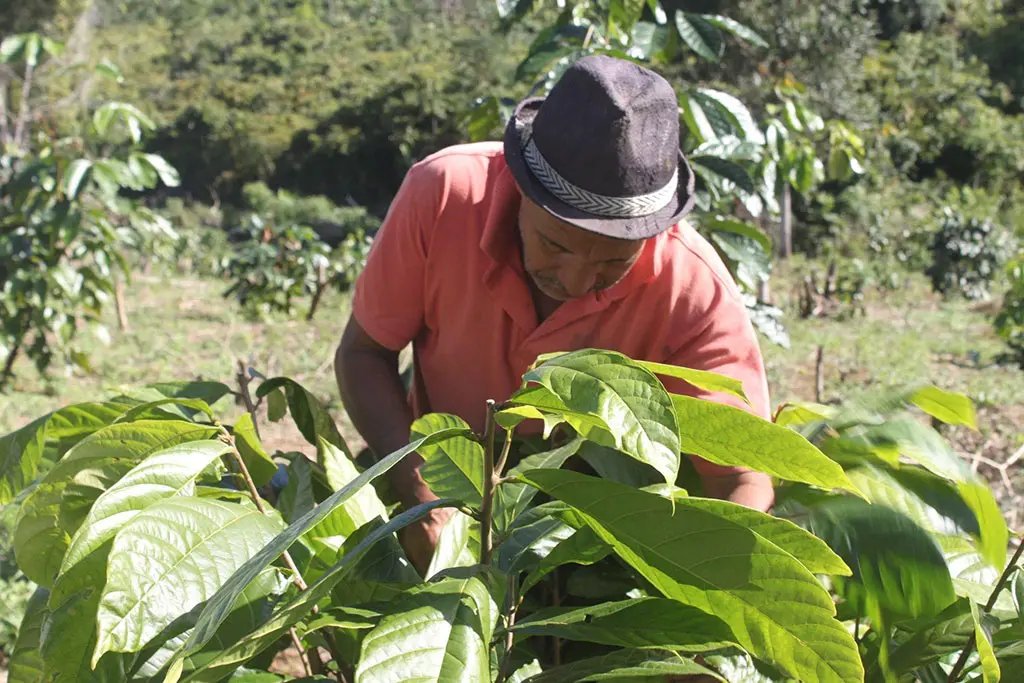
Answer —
469 163
693 268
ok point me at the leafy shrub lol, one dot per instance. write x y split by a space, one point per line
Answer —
152 572
967 254
65 228
1009 321
280 257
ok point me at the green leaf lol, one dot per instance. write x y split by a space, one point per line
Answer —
440 631
454 467
155 409
49 437
992 530
12 47
582 548
1018 594
724 169
614 465
699 35
624 14
297 497
701 379
921 641
512 499
774 607
894 561
729 436
920 443
640 622
535 533
60 503
75 175
626 665
983 640
168 559
455 547
210 392
277 405
26 664
354 513
168 174
217 607
296 608
812 552
735 28
311 418
628 399
731 108
261 466
948 406
743 228
798 413
696 119
171 472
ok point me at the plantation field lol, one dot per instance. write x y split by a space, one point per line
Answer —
180 328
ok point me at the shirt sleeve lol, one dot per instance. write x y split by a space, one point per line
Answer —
389 294
727 344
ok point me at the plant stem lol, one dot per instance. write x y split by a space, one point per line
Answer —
486 507
514 600
1007 571
297 579
499 469
8 371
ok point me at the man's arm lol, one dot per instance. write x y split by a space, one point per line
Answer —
752 489
374 398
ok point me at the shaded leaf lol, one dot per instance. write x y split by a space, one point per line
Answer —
26 664
261 466
699 35
774 607
582 548
512 499
310 416
735 28
625 665
641 622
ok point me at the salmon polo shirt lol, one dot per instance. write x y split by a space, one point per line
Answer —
445 273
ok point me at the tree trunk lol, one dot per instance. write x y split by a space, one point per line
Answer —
8 371
122 311
786 225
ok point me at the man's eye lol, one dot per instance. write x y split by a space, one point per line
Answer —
552 245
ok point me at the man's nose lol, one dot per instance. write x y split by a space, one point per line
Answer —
578 281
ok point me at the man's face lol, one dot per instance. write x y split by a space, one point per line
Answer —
566 262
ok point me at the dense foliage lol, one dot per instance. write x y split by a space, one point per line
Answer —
158 557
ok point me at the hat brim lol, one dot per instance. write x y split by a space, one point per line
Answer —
639 227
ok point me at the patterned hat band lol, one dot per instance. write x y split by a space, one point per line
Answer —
592 202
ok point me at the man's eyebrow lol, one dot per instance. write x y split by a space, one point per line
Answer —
554 242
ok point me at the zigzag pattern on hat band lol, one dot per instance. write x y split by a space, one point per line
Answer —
592 202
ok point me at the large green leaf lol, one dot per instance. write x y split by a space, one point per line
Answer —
169 558
724 105
714 171
68 639
895 562
720 224
812 552
218 607
639 622
48 437
354 513
535 534
701 379
773 605
297 496
260 465
57 507
628 399
920 443
437 632
950 407
454 467
994 534
735 28
511 498
309 414
699 35
458 544
171 472
26 664
729 436
625 665
296 608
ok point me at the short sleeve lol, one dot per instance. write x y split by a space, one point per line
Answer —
727 344
389 294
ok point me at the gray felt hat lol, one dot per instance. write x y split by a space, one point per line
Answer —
602 150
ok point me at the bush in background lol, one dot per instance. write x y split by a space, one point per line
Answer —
967 254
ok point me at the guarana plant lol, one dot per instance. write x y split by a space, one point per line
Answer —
573 552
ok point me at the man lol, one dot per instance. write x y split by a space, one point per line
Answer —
567 236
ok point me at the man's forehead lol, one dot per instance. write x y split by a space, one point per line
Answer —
553 227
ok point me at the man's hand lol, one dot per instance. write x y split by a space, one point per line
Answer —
751 489
419 539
